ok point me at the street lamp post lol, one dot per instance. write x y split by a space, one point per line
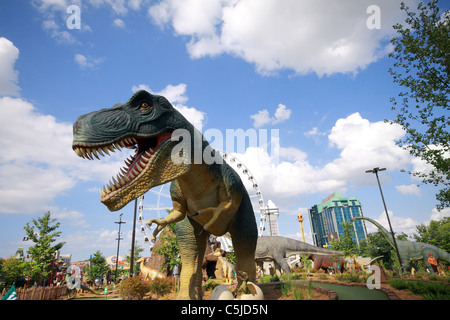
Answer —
118 244
375 170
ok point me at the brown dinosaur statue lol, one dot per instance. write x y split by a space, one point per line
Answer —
207 194
325 262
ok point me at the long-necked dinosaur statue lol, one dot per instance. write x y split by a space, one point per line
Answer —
207 194
277 249
411 250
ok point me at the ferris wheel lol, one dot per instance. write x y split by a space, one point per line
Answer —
163 203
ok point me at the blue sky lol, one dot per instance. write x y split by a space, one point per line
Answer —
312 70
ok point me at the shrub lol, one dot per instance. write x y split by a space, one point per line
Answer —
161 286
210 285
133 288
429 290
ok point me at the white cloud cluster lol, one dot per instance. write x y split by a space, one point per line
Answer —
263 118
37 162
362 144
8 76
323 37
409 189
86 62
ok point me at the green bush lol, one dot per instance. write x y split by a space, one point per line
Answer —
162 286
133 288
429 290
210 285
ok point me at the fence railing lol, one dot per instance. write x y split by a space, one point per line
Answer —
40 293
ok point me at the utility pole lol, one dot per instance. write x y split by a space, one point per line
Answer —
375 170
118 244
132 240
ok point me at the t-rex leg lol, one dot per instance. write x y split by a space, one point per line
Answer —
192 248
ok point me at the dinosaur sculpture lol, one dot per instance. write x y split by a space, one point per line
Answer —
325 262
362 263
227 267
278 248
207 194
411 250
147 272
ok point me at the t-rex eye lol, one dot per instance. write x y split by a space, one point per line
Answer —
144 105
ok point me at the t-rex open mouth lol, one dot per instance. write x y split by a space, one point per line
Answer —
146 149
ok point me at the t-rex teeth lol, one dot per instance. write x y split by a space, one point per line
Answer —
102 192
121 143
88 154
139 166
94 152
105 150
78 152
147 155
99 150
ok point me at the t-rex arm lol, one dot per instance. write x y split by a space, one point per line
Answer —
217 219
177 214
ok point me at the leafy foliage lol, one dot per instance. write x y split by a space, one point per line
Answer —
97 267
169 248
42 232
422 68
134 288
437 233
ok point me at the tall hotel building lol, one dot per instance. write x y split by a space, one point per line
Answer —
327 218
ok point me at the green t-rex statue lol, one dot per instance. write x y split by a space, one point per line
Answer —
411 250
207 194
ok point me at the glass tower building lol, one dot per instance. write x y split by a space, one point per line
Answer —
327 218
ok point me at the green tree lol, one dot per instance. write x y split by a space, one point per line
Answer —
436 233
345 242
42 232
11 270
169 248
137 254
98 266
422 68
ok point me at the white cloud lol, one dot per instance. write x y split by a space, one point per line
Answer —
314 132
323 37
61 36
262 118
119 23
118 6
399 224
438 215
409 189
37 164
8 76
364 145
86 62
176 94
